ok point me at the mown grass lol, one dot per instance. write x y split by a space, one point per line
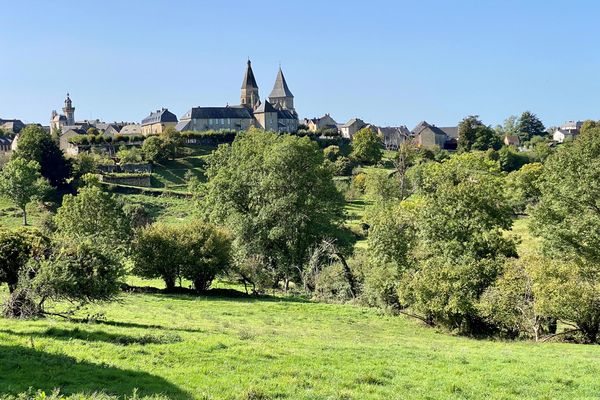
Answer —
277 348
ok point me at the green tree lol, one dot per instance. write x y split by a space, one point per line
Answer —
461 245
511 159
366 146
523 186
96 216
529 125
172 142
34 144
132 155
154 149
21 182
474 135
508 128
197 251
16 248
277 197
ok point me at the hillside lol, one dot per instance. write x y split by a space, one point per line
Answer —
279 348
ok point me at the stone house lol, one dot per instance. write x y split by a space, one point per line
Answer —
348 129
158 121
324 122
431 136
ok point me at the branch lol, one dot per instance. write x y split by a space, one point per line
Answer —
558 334
429 323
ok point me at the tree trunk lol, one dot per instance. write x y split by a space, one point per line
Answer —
348 274
170 283
24 216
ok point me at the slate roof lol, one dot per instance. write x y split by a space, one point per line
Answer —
280 89
162 115
439 131
133 129
217 112
450 131
249 81
264 108
285 114
183 125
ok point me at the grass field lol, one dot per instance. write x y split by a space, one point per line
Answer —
278 348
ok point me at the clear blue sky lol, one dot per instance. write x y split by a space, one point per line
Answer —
388 62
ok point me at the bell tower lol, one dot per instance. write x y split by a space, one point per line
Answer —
69 111
249 96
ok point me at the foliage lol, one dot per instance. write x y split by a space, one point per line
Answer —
567 216
94 215
35 144
529 125
511 159
508 128
138 215
474 135
196 251
154 149
366 146
331 285
381 185
276 196
22 183
523 188
332 152
343 166
16 248
80 273
132 155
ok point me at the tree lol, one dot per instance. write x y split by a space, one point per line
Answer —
154 149
511 159
366 146
474 135
172 141
34 144
197 251
460 246
21 182
508 128
529 125
277 197
132 155
567 219
16 248
523 188
94 215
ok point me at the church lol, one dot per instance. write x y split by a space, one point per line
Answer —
275 114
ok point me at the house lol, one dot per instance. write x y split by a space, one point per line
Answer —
394 136
320 123
158 121
66 135
511 140
351 127
427 135
567 131
131 130
11 126
276 114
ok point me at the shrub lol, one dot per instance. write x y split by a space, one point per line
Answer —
331 285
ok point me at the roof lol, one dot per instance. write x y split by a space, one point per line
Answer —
249 81
162 115
264 108
217 112
450 131
133 129
280 89
395 130
352 121
285 114
183 125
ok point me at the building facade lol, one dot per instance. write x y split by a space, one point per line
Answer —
276 114
158 121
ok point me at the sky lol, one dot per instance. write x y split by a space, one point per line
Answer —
386 62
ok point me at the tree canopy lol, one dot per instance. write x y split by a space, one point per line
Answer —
529 125
366 146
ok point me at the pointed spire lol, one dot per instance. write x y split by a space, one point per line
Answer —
249 81
280 89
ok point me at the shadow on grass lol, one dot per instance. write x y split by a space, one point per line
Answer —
97 336
22 368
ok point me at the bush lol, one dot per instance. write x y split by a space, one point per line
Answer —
196 251
332 286
343 166
332 153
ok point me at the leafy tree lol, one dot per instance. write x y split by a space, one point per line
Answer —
474 135
461 246
508 128
381 186
132 155
523 186
21 182
196 251
529 125
93 131
16 248
172 142
366 146
332 153
35 144
276 196
589 124
94 215
154 149
511 159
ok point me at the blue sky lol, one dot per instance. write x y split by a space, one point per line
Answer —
388 62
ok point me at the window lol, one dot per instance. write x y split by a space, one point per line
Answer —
210 121
222 121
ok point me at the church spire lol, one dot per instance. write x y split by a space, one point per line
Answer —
249 95
281 96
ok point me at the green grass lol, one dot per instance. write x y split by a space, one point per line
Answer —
278 348
164 208
11 217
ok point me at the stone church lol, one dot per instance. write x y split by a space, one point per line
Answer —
275 114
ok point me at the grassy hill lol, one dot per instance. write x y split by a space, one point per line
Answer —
278 348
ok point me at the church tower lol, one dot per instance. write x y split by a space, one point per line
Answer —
249 96
281 97
69 111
